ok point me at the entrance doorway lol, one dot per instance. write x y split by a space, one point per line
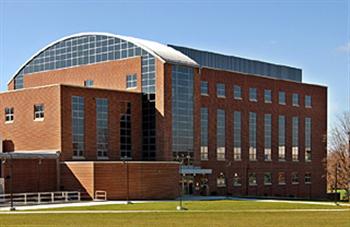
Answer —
188 184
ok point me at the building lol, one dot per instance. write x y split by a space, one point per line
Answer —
98 111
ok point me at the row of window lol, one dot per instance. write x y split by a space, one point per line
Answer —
252 122
131 82
253 94
102 130
267 179
38 113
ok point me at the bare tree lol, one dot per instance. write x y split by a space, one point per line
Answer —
338 159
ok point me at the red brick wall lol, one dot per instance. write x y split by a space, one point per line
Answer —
111 74
30 175
147 180
24 133
115 98
77 176
318 113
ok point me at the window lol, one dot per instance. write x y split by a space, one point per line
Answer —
220 135
102 127
267 135
308 101
236 180
204 88
307 178
308 154
267 96
252 179
295 139
281 178
204 153
38 111
295 99
221 181
88 83
252 136
125 130
131 81
182 111
295 178
282 98
281 138
204 133
78 123
9 114
237 136
267 178
253 97
237 92
220 90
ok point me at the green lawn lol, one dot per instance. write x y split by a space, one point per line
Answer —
204 213
204 205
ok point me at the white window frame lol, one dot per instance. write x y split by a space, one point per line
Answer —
9 114
131 81
39 114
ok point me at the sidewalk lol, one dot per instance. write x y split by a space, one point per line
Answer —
184 198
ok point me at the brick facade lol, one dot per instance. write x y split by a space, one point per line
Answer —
318 114
159 180
147 180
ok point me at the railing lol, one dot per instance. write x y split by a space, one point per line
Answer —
39 198
100 195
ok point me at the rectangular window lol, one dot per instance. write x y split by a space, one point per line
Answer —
237 136
295 178
220 134
88 83
221 181
9 114
38 111
204 133
78 122
308 101
295 138
267 178
131 81
237 180
282 98
281 178
295 99
182 111
281 138
268 139
204 88
102 127
252 136
220 90
252 179
307 178
125 130
253 96
308 155
237 92
267 96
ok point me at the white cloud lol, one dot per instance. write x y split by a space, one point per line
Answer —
344 48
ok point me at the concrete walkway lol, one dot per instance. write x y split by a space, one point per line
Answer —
172 211
186 198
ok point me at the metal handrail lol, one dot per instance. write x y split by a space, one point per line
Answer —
40 197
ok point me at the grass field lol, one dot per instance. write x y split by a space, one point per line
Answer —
199 213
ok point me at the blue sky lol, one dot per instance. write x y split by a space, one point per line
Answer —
312 35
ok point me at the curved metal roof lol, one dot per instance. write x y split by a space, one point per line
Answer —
158 50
